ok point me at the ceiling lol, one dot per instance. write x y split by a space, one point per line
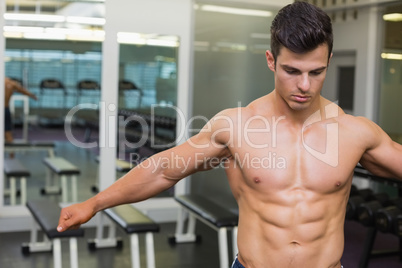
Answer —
207 23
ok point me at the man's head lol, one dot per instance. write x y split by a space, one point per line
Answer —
301 27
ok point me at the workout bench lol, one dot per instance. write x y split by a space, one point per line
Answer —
214 216
133 222
63 169
122 166
46 214
14 170
30 146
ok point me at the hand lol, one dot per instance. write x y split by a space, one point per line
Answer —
73 216
33 96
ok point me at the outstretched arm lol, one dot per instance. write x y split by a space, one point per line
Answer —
154 175
17 87
383 156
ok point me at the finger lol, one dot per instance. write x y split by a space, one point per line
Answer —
63 222
62 226
74 227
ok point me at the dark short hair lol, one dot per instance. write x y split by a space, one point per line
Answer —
301 27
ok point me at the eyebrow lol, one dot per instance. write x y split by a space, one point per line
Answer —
284 66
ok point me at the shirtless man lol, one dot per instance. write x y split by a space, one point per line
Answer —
11 86
289 157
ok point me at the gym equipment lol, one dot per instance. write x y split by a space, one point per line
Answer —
366 211
88 92
162 129
30 146
127 90
46 214
14 170
213 215
63 169
88 88
368 252
52 102
355 200
25 113
133 222
389 219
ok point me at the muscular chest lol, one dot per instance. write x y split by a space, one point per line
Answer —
289 159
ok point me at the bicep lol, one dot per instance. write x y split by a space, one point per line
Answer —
201 152
196 154
384 156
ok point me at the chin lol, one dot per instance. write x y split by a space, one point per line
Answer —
299 106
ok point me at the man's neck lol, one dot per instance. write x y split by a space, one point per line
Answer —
298 117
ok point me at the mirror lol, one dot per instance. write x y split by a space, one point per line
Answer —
61 74
147 96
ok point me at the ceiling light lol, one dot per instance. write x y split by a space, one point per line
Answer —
130 38
236 11
23 29
54 18
53 33
89 38
12 34
391 56
393 17
150 39
86 20
45 36
162 43
33 17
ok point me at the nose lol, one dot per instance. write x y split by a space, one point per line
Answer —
304 82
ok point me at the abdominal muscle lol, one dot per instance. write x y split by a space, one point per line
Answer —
290 232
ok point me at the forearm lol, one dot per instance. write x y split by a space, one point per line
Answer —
156 174
141 183
27 93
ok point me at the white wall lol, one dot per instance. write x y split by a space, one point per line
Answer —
362 37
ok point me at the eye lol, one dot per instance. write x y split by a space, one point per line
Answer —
291 71
316 72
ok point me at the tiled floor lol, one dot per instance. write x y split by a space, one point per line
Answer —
202 255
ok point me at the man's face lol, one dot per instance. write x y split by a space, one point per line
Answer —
299 77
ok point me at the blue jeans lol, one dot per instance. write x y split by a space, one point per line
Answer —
237 264
8 124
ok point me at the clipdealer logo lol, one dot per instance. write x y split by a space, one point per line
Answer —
330 155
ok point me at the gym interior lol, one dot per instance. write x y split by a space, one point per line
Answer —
118 81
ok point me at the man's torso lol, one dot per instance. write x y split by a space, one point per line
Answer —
291 184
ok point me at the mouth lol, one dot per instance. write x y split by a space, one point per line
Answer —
301 98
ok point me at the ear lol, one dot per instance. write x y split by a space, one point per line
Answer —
270 60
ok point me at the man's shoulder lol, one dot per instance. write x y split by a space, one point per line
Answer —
363 128
355 122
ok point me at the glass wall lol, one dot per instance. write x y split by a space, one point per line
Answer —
230 70
32 66
147 97
390 112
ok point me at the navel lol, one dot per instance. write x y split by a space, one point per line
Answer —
295 243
